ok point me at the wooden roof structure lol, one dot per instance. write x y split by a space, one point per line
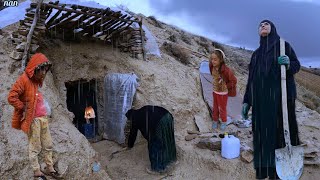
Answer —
71 20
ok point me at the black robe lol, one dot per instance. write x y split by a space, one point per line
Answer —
263 93
156 126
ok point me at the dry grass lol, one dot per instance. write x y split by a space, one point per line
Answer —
173 38
185 38
309 80
177 52
155 22
218 46
312 70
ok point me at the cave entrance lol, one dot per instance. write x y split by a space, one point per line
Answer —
81 95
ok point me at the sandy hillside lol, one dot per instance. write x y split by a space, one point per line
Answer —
197 163
163 81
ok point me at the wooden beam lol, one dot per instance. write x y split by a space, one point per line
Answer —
104 20
109 24
29 37
53 17
60 24
72 23
117 28
56 21
112 27
118 31
45 10
75 23
50 10
76 11
87 26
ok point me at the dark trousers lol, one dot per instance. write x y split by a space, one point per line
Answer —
264 172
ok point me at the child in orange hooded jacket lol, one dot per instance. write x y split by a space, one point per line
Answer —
30 113
224 85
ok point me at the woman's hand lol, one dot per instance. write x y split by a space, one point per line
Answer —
245 110
284 60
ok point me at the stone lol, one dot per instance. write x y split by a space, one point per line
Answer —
20 47
246 156
61 167
246 146
311 155
208 135
34 48
16 40
310 152
313 161
193 132
209 143
15 34
191 137
201 124
41 27
16 55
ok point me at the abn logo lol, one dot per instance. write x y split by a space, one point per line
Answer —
10 3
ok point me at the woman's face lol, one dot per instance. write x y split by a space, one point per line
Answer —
215 60
264 29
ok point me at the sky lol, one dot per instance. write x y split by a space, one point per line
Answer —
235 22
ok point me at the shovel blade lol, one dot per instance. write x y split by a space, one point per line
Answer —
289 166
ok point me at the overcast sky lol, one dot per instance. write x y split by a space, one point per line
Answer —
235 22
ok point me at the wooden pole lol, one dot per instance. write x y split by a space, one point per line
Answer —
29 37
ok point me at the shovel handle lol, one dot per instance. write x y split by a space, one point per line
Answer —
284 98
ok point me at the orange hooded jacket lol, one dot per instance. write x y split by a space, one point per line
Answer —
22 95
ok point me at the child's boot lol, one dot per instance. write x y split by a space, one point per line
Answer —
215 125
223 126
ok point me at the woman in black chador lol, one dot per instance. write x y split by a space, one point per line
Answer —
263 94
157 127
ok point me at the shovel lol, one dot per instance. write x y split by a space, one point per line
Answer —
289 160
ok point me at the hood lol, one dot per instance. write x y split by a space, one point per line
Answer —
34 62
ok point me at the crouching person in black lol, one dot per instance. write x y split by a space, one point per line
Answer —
156 125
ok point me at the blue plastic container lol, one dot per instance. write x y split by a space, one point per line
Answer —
96 167
88 131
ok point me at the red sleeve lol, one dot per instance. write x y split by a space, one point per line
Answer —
14 94
232 80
